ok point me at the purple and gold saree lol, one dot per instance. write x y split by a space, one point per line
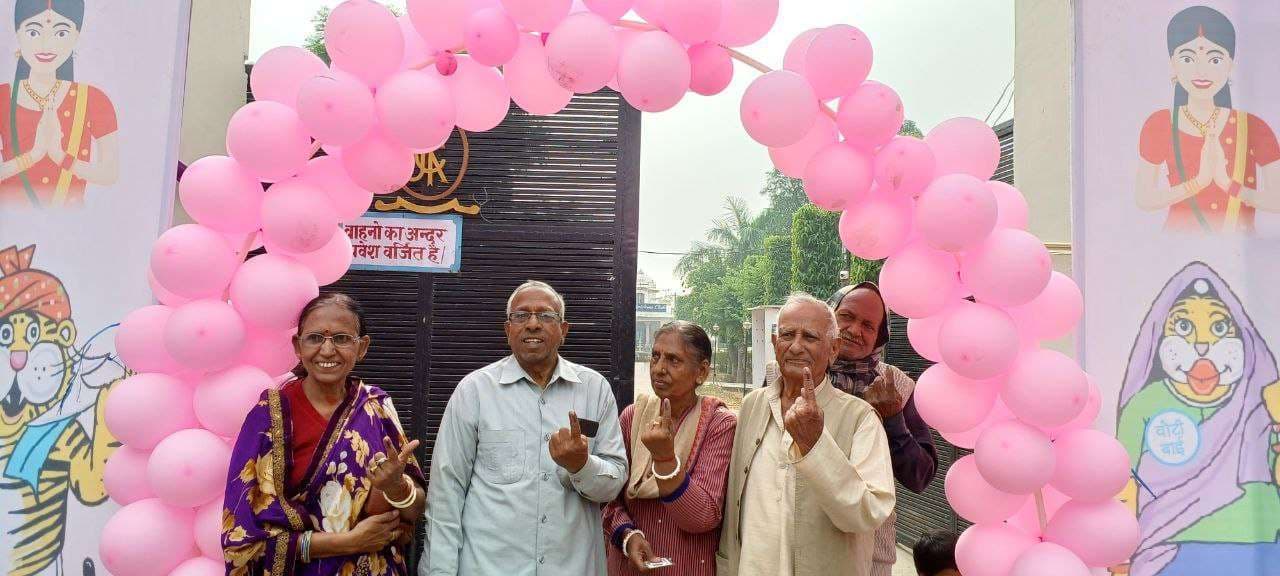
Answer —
263 520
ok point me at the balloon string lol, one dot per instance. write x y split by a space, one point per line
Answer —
1040 510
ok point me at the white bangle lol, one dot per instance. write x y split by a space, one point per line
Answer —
407 502
627 539
673 474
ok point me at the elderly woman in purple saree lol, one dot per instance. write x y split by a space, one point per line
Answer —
1198 413
308 495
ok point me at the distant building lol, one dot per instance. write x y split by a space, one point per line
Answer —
654 308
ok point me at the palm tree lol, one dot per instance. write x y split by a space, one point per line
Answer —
732 237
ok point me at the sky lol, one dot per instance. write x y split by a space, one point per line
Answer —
944 58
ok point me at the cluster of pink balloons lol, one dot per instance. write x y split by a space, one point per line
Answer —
397 87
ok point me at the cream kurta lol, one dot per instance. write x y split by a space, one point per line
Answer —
848 482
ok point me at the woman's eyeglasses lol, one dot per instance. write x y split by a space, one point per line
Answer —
340 340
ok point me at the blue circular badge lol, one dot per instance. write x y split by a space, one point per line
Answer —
1172 438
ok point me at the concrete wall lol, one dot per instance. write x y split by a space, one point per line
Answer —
1043 55
1043 52
216 80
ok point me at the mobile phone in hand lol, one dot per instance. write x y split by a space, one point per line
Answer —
589 427
659 563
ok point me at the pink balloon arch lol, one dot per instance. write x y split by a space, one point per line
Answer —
397 87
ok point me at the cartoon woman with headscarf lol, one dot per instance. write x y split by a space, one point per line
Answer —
56 135
1198 413
1220 161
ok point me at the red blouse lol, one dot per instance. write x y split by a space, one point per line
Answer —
1156 146
98 121
308 429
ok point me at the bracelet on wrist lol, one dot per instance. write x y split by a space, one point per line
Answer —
675 472
627 540
408 500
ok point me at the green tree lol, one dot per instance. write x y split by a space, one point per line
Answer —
863 270
909 128
777 269
786 195
817 255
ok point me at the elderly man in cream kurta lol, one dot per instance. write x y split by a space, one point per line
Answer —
810 478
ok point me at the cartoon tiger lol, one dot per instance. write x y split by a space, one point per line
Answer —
1198 411
49 446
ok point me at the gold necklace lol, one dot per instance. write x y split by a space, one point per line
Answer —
42 102
1203 127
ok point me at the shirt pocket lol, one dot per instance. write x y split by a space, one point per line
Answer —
500 455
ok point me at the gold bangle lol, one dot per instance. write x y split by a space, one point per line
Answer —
24 162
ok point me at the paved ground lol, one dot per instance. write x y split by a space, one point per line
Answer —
732 395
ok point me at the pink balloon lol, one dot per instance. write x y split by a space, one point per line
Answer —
792 160
1014 457
969 438
193 261
990 549
582 53
1010 268
965 146
794 58
1055 312
837 61
164 296
948 401
491 37
870 116
145 408
416 110
530 83
416 50
1012 206
625 37
125 476
479 94
1086 417
189 468
1046 388
297 216
363 38
200 566
223 398
140 340
837 176
1104 533
270 351
975 500
207 529
1092 466
654 71
779 108
439 22
955 212
538 15
280 71
744 21
610 10
1048 559
692 21
269 140
978 341
269 291
147 538
923 335
217 192
905 165
917 281
650 11
711 69
877 227
348 200
328 264
204 335
1027 519
336 108
378 164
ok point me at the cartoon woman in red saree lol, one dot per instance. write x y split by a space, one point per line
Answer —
1220 161
56 135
